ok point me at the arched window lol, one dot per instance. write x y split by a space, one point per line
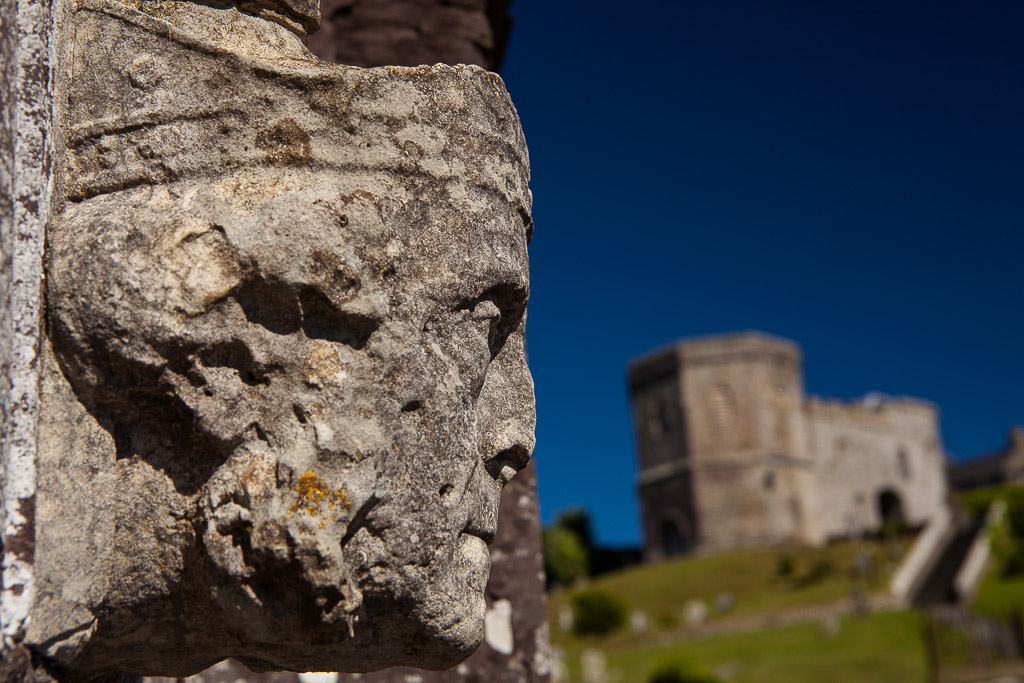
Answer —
657 418
781 410
902 463
722 403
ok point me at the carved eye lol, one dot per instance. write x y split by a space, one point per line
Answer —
487 313
498 311
527 220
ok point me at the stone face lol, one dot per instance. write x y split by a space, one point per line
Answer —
287 379
413 32
516 646
516 578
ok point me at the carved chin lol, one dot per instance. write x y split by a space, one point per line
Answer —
458 604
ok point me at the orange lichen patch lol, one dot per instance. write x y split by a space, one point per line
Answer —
312 493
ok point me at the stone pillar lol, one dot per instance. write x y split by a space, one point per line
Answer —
25 31
413 32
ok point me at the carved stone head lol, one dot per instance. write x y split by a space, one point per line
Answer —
294 296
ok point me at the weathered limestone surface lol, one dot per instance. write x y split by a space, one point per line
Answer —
285 379
413 32
24 207
473 32
515 648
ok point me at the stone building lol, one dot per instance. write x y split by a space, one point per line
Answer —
1003 466
734 454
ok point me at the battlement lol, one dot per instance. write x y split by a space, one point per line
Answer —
727 348
713 350
874 407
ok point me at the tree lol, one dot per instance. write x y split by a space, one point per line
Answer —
565 558
577 520
597 612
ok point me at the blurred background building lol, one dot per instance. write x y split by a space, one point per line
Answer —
1002 466
733 454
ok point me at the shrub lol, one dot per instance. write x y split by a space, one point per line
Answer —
785 566
821 568
893 529
665 621
1007 537
978 501
680 670
565 558
597 612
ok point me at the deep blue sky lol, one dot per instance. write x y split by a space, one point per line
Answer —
848 174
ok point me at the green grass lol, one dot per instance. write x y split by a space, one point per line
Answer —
884 647
751 578
1000 596
880 648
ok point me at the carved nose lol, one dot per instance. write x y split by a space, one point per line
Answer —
510 440
507 409
504 465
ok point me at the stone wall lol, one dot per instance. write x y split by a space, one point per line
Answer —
669 515
866 448
741 397
658 419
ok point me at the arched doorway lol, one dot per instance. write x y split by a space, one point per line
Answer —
674 540
890 509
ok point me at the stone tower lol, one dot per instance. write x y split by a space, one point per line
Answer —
718 427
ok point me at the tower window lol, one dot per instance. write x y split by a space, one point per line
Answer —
902 463
723 407
657 418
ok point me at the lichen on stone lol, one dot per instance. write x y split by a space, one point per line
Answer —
311 493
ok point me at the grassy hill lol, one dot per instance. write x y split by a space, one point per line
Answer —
763 587
880 648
